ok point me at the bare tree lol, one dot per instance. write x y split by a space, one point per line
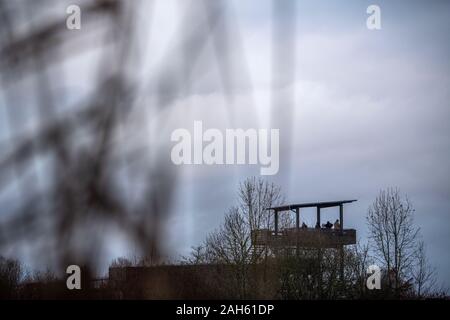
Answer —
198 255
11 273
231 244
121 262
394 236
424 275
255 196
42 276
357 260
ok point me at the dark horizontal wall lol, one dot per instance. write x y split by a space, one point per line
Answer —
191 282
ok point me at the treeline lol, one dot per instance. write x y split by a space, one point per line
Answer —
16 281
227 265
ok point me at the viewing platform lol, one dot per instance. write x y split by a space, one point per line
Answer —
335 236
306 238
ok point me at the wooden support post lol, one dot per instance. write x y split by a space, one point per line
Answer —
275 238
297 220
341 217
318 215
341 263
320 275
276 223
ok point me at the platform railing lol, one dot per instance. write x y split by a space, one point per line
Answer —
305 237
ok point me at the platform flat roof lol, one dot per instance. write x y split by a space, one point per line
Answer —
325 204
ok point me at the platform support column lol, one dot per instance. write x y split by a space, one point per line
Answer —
297 223
341 263
276 222
318 215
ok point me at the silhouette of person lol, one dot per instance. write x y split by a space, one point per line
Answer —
337 226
